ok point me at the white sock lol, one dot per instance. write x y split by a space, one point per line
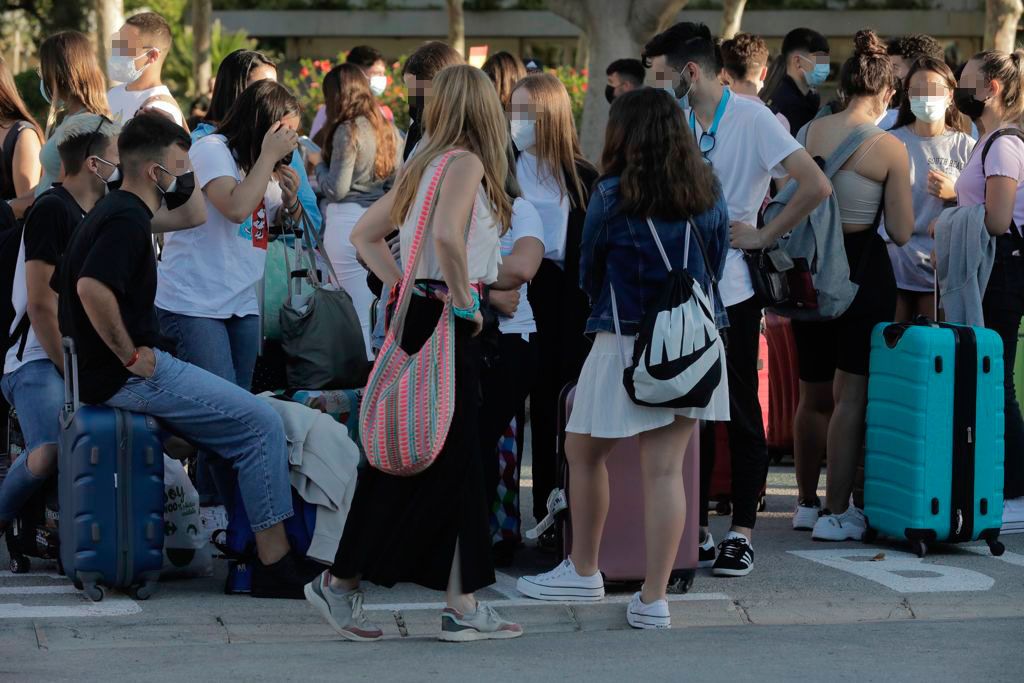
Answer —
736 534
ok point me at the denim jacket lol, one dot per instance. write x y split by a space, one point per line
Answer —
619 250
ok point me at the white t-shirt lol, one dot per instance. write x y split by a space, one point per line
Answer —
19 300
125 103
525 223
749 149
211 271
543 191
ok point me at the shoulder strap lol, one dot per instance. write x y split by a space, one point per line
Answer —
848 147
1016 132
161 97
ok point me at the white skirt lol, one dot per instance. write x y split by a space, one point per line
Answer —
603 409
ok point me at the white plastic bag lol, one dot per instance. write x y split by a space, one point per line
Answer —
186 549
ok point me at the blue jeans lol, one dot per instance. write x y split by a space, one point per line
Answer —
36 391
223 418
227 348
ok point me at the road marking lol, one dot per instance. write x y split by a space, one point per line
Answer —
1012 558
113 606
901 572
37 590
529 602
34 575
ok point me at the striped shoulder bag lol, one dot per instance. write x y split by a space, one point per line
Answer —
409 400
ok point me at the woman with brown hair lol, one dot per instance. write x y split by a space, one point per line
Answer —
19 167
504 70
431 528
938 143
833 354
654 190
556 179
361 152
71 81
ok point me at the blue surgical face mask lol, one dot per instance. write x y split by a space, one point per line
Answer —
818 75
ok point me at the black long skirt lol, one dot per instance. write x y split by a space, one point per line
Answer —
404 529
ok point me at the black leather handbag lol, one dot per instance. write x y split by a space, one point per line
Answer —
769 274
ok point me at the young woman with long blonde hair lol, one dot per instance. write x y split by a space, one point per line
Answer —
72 82
361 152
556 179
432 528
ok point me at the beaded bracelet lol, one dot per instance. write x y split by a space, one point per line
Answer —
468 313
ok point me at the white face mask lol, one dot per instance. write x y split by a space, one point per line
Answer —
930 109
524 133
121 68
378 84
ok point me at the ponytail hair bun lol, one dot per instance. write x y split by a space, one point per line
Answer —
867 44
869 70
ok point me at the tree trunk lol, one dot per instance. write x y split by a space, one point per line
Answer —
456 27
202 28
1001 18
109 17
603 22
732 17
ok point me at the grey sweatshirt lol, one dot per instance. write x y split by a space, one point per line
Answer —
965 252
350 177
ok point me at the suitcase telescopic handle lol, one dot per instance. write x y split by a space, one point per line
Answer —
71 402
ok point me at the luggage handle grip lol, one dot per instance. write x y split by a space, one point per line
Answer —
71 400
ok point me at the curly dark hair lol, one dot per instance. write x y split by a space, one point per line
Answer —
743 54
915 45
649 146
868 71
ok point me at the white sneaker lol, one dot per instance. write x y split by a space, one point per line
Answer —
641 615
562 583
1013 516
849 526
806 516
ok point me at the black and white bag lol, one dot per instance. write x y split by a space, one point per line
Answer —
679 356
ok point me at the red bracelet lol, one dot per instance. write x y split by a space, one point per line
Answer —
133 360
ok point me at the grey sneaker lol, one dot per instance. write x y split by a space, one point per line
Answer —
344 612
484 624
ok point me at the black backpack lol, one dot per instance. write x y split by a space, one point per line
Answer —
7 162
10 245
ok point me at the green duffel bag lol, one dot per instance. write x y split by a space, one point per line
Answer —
320 331
280 256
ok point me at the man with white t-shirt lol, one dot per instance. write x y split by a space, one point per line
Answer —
747 146
137 58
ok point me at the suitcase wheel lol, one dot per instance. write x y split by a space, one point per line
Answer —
920 547
20 564
143 591
723 508
94 592
997 548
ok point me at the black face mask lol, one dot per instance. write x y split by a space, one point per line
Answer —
609 93
967 104
180 190
416 108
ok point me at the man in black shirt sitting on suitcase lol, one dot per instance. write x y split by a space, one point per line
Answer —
107 289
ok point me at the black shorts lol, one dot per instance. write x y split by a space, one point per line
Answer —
845 343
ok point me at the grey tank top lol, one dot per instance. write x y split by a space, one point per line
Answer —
858 197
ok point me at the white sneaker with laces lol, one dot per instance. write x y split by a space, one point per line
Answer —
641 615
562 583
805 517
849 526
1013 516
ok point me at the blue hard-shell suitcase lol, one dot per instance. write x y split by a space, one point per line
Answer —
111 492
933 468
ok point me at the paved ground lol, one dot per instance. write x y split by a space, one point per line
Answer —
847 611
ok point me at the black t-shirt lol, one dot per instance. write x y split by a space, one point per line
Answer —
114 245
50 224
797 107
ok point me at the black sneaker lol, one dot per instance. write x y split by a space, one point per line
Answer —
284 579
706 552
735 558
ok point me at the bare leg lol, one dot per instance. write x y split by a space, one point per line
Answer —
272 544
454 597
845 438
661 458
810 430
588 502
906 303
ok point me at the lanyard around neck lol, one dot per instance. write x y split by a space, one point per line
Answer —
719 112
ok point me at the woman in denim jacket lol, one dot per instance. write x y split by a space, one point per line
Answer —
651 168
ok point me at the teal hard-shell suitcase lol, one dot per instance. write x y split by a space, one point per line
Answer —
933 468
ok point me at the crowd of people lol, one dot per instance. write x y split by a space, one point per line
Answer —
145 237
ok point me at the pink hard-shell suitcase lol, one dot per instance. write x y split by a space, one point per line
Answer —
622 556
